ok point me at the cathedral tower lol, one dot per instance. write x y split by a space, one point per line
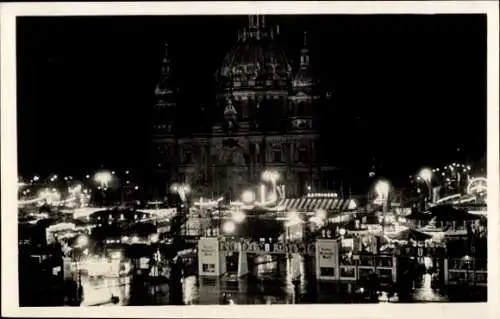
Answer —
164 121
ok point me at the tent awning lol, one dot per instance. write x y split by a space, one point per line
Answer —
312 204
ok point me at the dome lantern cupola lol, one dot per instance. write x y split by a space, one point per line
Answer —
304 77
165 68
304 54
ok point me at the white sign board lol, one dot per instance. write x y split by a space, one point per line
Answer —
326 253
327 259
208 257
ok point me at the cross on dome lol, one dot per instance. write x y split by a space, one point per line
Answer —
165 68
304 54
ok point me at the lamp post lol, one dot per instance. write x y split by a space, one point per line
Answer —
219 214
468 260
182 190
81 243
103 179
426 175
272 176
229 227
382 189
248 197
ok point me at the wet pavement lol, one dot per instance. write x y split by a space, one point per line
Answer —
209 291
266 286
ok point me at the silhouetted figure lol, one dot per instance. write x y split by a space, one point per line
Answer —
175 284
80 291
138 291
373 286
296 289
225 299
71 292
404 285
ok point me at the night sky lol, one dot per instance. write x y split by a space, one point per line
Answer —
407 90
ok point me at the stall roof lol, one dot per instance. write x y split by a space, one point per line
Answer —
312 204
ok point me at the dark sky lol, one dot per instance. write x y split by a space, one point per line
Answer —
408 89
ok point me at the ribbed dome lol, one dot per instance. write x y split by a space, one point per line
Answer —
303 78
254 57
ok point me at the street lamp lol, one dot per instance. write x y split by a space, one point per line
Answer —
103 178
342 232
248 197
82 242
426 175
238 216
219 215
468 261
271 176
382 189
182 190
229 227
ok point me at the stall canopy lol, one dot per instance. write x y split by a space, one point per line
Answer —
419 216
312 204
450 213
412 234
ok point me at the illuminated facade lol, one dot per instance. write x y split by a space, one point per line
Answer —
266 119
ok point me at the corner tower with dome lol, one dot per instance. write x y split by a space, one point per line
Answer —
267 113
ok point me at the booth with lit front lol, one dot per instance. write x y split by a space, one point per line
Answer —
280 238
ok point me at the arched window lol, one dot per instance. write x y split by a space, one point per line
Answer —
188 156
276 154
303 154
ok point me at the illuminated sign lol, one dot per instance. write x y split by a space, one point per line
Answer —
267 248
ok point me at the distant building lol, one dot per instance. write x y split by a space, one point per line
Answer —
266 118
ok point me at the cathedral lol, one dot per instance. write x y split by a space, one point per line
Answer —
266 119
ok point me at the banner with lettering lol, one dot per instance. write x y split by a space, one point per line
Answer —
267 248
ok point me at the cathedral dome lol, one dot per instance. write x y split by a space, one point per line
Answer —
254 56
257 55
304 76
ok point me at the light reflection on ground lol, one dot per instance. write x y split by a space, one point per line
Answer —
265 288
426 293
98 291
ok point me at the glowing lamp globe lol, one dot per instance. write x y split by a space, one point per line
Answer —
248 197
229 227
239 216
425 174
382 188
82 241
